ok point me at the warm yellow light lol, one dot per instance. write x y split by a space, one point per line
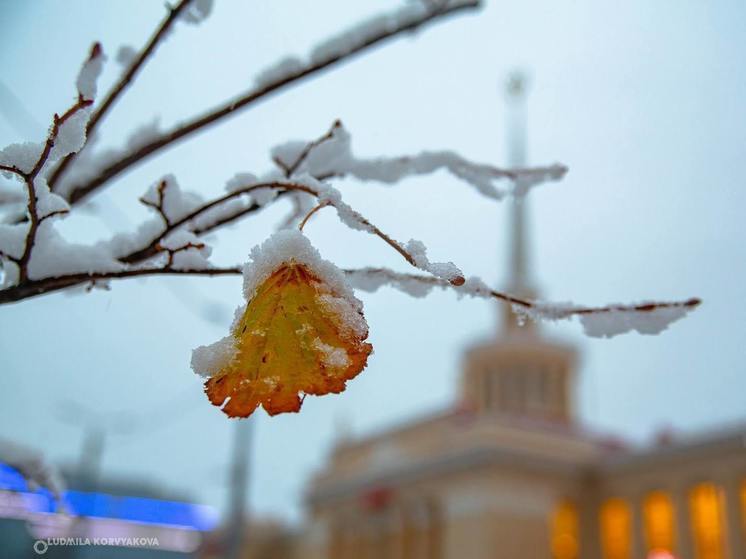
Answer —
706 507
743 508
564 531
658 514
616 529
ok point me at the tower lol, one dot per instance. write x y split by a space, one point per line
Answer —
519 372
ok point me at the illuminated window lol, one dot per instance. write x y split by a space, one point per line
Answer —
659 522
743 508
564 531
616 529
706 505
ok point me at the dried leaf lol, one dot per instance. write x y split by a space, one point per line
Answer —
296 336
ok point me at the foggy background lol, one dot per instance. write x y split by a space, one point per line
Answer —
644 101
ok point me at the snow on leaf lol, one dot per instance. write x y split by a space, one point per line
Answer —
302 332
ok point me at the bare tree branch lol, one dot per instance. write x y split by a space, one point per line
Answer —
231 106
316 208
291 169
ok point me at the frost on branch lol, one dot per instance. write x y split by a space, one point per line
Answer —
332 156
302 332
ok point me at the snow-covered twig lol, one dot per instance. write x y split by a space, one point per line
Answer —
601 321
34 288
330 156
65 136
331 52
127 78
291 168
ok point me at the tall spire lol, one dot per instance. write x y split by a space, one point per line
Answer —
518 281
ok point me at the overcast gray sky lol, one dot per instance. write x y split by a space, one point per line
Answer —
644 101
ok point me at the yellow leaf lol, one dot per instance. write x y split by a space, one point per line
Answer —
296 336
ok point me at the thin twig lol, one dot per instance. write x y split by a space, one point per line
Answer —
303 155
34 219
80 191
158 206
173 251
33 288
12 169
309 214
393 277
118 88
150 248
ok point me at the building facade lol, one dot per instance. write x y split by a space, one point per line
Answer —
508 473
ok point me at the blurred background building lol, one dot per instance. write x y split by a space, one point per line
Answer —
508 472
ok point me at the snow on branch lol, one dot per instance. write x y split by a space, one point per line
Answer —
183 217
331 156
333 51
28 161
37 260
134 64
598 322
